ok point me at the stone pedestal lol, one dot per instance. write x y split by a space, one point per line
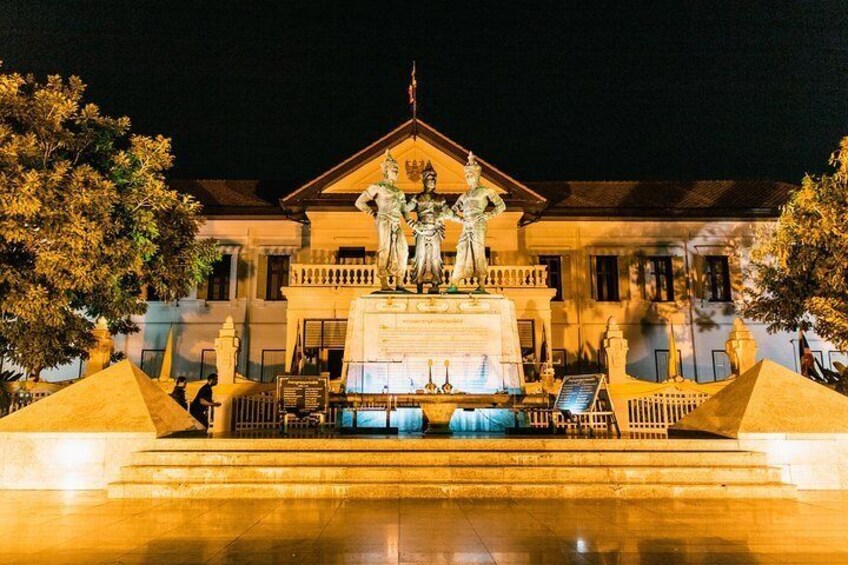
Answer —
615 347
101 353
227 346
392 338
741 348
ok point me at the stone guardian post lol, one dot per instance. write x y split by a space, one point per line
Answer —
741 348
615 348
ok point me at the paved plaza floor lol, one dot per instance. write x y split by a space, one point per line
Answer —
87 527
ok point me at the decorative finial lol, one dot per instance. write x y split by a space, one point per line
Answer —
472 164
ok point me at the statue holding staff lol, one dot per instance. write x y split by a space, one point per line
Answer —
392 250
429 229
472 210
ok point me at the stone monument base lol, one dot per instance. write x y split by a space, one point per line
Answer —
398 344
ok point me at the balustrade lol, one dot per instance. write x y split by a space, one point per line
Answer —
502 276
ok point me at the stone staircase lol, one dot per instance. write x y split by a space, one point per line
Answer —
448 468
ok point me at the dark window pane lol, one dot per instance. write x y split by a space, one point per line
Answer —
208 364
554 265
277 277
351 255
663 279
219 279
151 362
606 278
718 279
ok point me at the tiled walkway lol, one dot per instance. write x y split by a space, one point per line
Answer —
55 527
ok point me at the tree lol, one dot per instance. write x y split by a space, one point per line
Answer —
86 222
799 266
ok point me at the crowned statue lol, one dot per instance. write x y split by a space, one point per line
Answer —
392 251
429 229
473 210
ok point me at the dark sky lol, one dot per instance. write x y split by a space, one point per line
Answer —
546 91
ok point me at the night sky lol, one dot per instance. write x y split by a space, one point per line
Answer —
545 91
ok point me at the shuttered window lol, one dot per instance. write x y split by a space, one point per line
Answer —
717 276
606 278
554 265
660 280
324 342
277 276
218 287
527 334
334 333
325 333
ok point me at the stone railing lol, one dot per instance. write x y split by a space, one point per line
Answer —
506 276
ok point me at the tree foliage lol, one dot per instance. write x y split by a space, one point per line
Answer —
799 266
86 222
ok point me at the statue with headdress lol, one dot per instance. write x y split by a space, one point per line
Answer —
474 209
392 250
429 229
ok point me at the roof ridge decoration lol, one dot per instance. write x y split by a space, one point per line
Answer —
516 192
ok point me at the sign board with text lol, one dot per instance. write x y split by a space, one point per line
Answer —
578 394
302 395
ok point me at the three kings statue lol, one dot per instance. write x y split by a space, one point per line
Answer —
473 209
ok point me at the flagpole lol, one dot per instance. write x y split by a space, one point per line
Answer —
413 99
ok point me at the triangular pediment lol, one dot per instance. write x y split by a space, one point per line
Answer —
411 154
412 145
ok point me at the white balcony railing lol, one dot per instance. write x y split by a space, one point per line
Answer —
506 276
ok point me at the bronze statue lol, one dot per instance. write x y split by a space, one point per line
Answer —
392 251
472 210
429 229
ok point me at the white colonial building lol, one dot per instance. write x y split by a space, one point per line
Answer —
570 254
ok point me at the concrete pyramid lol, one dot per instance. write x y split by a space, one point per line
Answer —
769 399
120 398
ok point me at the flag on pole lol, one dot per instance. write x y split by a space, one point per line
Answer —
413 88
810 365
296 367
413 101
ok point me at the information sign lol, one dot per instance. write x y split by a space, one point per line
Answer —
303 395
578 393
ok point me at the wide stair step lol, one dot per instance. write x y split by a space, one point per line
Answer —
415 468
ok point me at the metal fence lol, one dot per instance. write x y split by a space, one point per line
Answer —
659 411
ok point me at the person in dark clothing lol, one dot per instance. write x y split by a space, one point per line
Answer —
179 392
203 401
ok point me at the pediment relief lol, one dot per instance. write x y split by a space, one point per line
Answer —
412 146
412 155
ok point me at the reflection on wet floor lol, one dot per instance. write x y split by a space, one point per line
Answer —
87 527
